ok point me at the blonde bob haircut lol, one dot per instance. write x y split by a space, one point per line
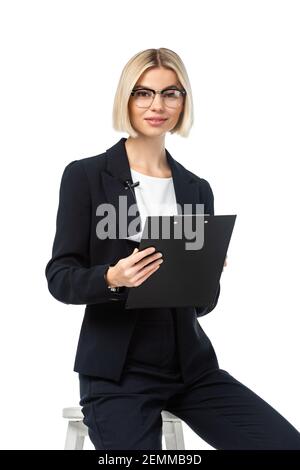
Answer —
134 68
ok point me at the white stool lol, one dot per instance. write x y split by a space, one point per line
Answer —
77 430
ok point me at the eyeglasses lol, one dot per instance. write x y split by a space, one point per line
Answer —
172 97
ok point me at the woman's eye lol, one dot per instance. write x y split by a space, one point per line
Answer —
142 93
171 94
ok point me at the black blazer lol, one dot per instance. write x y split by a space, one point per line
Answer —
75 272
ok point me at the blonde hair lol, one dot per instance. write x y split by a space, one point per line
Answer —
140 62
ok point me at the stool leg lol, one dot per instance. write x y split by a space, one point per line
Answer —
178 431
169 435
74 437
173 434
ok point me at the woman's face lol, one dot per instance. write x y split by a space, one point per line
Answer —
157 78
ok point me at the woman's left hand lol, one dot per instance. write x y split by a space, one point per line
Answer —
225 264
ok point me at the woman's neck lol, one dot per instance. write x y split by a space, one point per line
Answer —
147 155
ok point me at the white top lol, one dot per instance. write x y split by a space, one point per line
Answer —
154 196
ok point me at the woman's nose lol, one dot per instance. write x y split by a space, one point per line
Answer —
158 101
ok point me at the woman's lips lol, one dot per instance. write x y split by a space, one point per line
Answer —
156 122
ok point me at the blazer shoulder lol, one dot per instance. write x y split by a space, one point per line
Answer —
205 191
204 185
95 162
85 166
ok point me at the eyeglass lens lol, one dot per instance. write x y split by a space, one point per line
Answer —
143 97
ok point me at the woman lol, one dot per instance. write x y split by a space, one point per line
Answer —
133 364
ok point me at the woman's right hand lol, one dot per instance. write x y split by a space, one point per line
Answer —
134 269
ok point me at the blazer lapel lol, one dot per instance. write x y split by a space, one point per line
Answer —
118 171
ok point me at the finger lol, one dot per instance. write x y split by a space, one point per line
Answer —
141 254
148 261
138 273
140 280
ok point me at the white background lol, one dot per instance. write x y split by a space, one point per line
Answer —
61 62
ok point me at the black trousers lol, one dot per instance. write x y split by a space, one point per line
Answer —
126 415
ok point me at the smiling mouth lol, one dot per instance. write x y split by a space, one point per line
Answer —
155 119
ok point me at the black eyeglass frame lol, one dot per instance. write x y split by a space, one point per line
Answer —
183 92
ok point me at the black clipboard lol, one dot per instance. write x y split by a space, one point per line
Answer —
186 277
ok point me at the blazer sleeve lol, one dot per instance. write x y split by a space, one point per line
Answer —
70 277
208 197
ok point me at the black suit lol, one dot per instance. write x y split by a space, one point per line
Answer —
75 273
125 412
